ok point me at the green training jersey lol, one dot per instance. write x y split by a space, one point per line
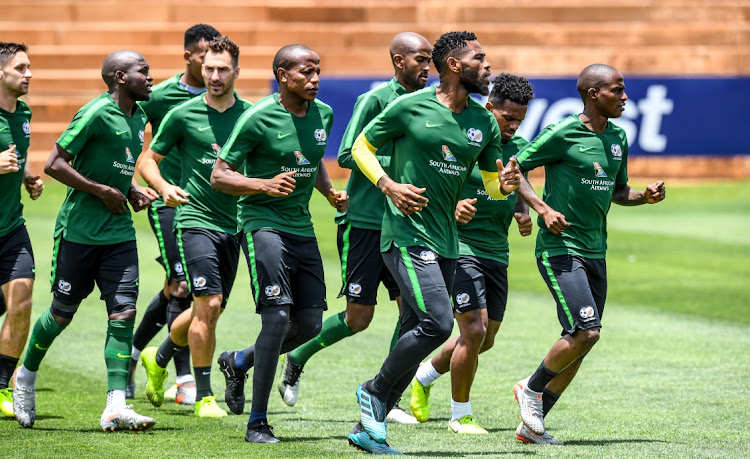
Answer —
164 97
366 201
486 235
268 140
581 168
435 149
196 132
105 144
14 130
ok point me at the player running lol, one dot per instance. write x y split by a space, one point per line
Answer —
16 255
439 134
585 159
480 291
205 221
94 235
362 267
281 142
174 297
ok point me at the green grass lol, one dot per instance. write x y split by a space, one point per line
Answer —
668 378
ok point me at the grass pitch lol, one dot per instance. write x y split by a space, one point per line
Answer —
667 379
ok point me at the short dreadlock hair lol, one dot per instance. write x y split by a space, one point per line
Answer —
451 44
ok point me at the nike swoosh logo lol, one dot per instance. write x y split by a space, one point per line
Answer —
36 345
206 373
120 132
203 128
281 136
585 149
428 125
4 128
123 356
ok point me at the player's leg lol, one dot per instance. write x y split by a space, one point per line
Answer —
568 282
155 359
72 281
424 280
16 285
117 278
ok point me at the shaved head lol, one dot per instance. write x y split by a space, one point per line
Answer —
407 43
288 56
594 76
119 61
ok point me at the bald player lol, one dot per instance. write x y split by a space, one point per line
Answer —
362 267
280 142
94 235
585 158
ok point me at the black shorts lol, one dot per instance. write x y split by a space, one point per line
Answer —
579 286
210 259
285 269
481 283
16 256
362 266
162 220
77 267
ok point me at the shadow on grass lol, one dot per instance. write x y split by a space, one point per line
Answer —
471 454
303 439
609 442
98 431
502 429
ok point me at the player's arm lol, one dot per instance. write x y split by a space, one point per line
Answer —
33 183
58 167
502 183
365 109
406 197
523 220
226 179
624 195
465 210
148 167
336 198
553 220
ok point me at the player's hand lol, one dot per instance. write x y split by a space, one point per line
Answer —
554 221
509 175
150 193
8 161
138 200
465 210
655 192
282 185
338 199
113 199
524 223
406 197
173 195
34 186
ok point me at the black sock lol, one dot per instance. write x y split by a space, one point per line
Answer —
182 361
538 381
153 320
166 351
275 324
7 367
549 399
202 382
175 307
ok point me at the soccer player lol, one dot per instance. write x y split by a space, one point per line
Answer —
438 135
280 141
175 296
205 221
362 267
16 255
585 159
94 234
480 291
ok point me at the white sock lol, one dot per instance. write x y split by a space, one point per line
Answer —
427 374
459 409
135 354
115 399
182 379
26 377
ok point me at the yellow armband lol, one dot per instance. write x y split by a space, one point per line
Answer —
364 155
491 182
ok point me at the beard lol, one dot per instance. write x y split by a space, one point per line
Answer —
473 83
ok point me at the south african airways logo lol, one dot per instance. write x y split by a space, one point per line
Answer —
447 154
216 147
129 156
598 170
301 160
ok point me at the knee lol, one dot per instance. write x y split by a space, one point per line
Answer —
440 327
179 289
127 316
357 323
589 337
20 309
310 328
